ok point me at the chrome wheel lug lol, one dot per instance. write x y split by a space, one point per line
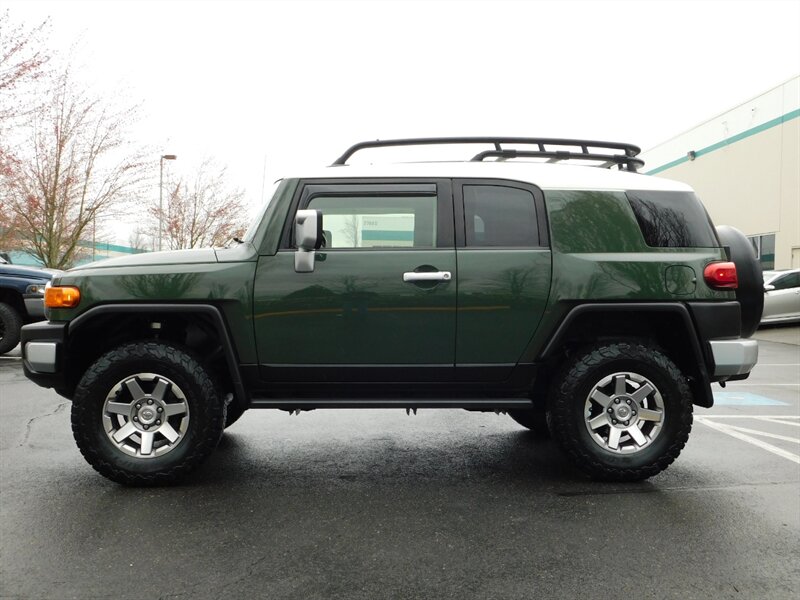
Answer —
626 422
610 410
159 409
138 405
614 421
150 401
158 421
633 412
147 426
136 419
628 401
616 400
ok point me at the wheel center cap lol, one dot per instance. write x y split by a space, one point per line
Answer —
147 415
623 412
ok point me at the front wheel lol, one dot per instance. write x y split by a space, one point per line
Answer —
146 413
621 412
10 325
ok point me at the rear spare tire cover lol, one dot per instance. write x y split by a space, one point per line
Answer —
750 292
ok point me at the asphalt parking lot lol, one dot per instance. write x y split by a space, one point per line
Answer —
377 504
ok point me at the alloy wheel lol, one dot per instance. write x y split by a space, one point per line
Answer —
624 413
146 415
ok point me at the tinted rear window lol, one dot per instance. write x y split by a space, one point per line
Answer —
673 220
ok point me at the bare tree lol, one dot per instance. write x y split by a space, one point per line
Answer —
139 240
74 171
8 229
351 230
202 211
23 55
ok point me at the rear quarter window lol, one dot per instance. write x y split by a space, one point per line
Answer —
673 220
592 221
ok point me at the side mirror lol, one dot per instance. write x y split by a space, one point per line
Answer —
308 237
768 288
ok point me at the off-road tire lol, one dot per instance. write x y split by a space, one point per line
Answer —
534 419
206 410
10 324
567 405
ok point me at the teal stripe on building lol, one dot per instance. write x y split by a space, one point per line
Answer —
731 140
383 235
104 247
101 252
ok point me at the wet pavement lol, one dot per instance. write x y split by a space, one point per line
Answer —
376 504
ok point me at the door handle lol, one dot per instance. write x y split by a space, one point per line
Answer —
413 276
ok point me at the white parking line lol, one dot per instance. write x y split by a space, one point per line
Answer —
735 384
758 417
774 436
732 431
779 421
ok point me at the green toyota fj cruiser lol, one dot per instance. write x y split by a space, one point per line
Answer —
594 304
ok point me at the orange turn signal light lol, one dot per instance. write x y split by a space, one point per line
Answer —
62 296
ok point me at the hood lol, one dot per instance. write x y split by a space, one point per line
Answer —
32 272
146 259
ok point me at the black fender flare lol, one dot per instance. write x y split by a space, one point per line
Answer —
700 384
208 310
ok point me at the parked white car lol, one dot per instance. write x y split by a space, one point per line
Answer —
781 296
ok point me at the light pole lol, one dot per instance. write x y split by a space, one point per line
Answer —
161 196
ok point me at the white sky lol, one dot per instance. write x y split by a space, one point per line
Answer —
294 84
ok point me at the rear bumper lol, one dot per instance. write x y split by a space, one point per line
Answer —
733 357
43 349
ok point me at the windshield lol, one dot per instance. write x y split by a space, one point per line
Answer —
251 231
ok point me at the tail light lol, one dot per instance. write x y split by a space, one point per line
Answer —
62 296
721 276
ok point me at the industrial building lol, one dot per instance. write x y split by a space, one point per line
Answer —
745 166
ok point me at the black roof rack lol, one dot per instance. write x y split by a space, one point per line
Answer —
627 159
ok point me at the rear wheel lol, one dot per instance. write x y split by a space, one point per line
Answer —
621 412
10 325
146 413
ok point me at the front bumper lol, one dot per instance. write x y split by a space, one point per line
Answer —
733 358
43 353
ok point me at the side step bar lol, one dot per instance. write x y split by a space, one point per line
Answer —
412 403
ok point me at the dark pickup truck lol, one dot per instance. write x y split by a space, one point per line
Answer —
21 299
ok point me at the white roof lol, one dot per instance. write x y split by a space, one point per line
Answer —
548 176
